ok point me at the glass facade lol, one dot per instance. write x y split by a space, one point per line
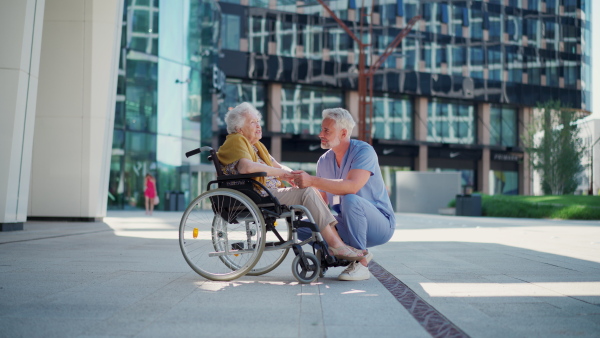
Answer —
392 118
183 65
163 97
508 51
302 107
238 91
503 126
504 182
451 122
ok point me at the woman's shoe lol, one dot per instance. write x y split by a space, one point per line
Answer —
368 255
346 252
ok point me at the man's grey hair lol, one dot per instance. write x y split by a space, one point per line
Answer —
342 118
236 117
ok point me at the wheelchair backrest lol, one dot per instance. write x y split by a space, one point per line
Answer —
247 186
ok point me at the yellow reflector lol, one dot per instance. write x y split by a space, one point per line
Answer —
195 232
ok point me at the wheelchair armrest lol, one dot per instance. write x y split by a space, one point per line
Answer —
241 176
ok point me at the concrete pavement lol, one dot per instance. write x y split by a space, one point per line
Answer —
441 276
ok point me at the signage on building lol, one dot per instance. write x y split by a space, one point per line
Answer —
507 157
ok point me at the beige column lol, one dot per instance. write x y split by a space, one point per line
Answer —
352 107
274 120
420 125
525 178
75 111
483 138
21 35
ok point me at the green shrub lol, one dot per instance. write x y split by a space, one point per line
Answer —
554 207
519 206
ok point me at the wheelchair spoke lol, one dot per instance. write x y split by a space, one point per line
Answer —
221 234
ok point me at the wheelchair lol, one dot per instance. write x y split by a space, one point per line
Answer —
231 230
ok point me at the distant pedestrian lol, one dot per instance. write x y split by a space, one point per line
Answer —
150 193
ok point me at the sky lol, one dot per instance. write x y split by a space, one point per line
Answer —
595 59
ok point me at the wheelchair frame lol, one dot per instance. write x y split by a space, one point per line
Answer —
231 235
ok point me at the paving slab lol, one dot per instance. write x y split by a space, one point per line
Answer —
469 276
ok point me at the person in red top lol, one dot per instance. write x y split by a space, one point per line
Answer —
149 193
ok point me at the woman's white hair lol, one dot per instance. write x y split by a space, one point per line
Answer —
236 117
342 118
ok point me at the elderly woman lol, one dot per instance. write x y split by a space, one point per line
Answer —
243 153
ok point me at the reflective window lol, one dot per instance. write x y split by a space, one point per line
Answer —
534 73
533 4
451 122
477 61
571 74
259 3
503 126
571 37
313 41
495 26
552 74
457 22
258 35
459 58
230 32
514 31
550 34
286 38
495 63
504 182
392 118
410 51
476 24
514 65
551 6
159 98
238 91
339 44
532 31
302 108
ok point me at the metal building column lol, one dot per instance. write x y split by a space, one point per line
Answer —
483 138
274 118
420 125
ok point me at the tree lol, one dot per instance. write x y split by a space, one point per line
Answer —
554 147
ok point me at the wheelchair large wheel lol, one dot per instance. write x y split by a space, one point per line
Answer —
222 234
270 259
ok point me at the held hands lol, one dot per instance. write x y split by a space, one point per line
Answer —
302 179
288 177
297 178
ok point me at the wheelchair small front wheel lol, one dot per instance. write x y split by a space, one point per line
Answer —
307 272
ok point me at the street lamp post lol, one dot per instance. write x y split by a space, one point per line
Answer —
591 190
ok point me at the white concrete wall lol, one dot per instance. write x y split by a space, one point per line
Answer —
75 112
20 38
425 192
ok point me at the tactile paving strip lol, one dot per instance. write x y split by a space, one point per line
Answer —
431 319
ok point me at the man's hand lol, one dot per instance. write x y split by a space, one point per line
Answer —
302 179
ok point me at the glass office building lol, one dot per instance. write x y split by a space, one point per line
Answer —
454 96
164 98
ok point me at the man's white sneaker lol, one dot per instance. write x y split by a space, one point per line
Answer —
355 271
